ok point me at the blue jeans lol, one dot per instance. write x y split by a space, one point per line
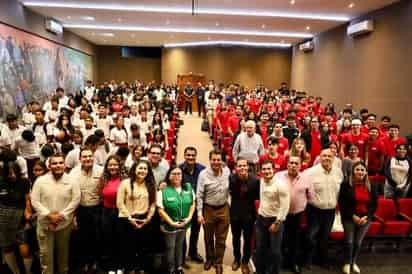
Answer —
174 248
354 235
268 245
320 222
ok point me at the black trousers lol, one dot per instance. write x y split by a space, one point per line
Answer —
292 236
135 246
89 222
238 227
201 107
320 222
194 236
111 232
188 106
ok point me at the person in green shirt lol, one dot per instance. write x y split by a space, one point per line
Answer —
176 204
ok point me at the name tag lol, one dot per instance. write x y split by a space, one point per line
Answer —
171 199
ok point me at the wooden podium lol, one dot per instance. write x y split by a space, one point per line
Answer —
182 80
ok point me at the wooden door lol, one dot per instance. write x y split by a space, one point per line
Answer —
182 80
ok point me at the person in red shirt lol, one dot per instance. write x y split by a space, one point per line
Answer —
283 142
313 138
254 103
376 152
223 120
278 160
369 123
355 137
393 140
265 127
384 126
234 121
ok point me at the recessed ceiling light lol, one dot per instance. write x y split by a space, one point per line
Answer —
167 22
208 38
69 17
119 20
107 34
263 26
292 2
190 30
167 9
217 24
351 5
283 41
133 35
307 28
246 40
227 43
88 18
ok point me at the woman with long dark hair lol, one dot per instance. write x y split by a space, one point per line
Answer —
176 204
64 129
398 173
16 212
110 183
357 203
136 201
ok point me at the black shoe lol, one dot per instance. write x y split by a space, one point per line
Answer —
185 265
208 265
196 258
296 269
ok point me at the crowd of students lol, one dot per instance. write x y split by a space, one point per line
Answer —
90 167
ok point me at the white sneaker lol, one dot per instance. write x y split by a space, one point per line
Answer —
355 268
346 269
111 272
119 271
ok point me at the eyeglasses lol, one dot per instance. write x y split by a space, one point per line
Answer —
155 153
190 155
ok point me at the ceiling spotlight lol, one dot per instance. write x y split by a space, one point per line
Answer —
351 5
119 20
217 24
167 22
69 17
263 26
208 38
307 28
283 41
292 2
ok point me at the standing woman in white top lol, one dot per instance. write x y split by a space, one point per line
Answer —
118 134
136 201
26 146
398 173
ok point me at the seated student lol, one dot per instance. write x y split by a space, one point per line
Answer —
398 173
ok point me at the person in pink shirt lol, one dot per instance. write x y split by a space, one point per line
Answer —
300 191
110 183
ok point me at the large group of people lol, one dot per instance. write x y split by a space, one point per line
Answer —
85 178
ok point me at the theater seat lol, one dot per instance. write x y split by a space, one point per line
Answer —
375 228
405 208
386 214
336 236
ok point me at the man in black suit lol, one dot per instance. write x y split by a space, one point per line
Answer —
188 94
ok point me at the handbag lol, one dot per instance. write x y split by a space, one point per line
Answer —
205 125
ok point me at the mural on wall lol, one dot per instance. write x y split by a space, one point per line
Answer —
31 68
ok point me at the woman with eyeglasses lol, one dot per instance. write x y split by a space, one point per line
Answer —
357 204
136 201
176 204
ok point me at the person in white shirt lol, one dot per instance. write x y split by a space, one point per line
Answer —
104 148
273 209
89 90
103 121
73 157
55 197
27 146
13 129
88 214
326 179
118 134
136 138
88 128
4 137
249 145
